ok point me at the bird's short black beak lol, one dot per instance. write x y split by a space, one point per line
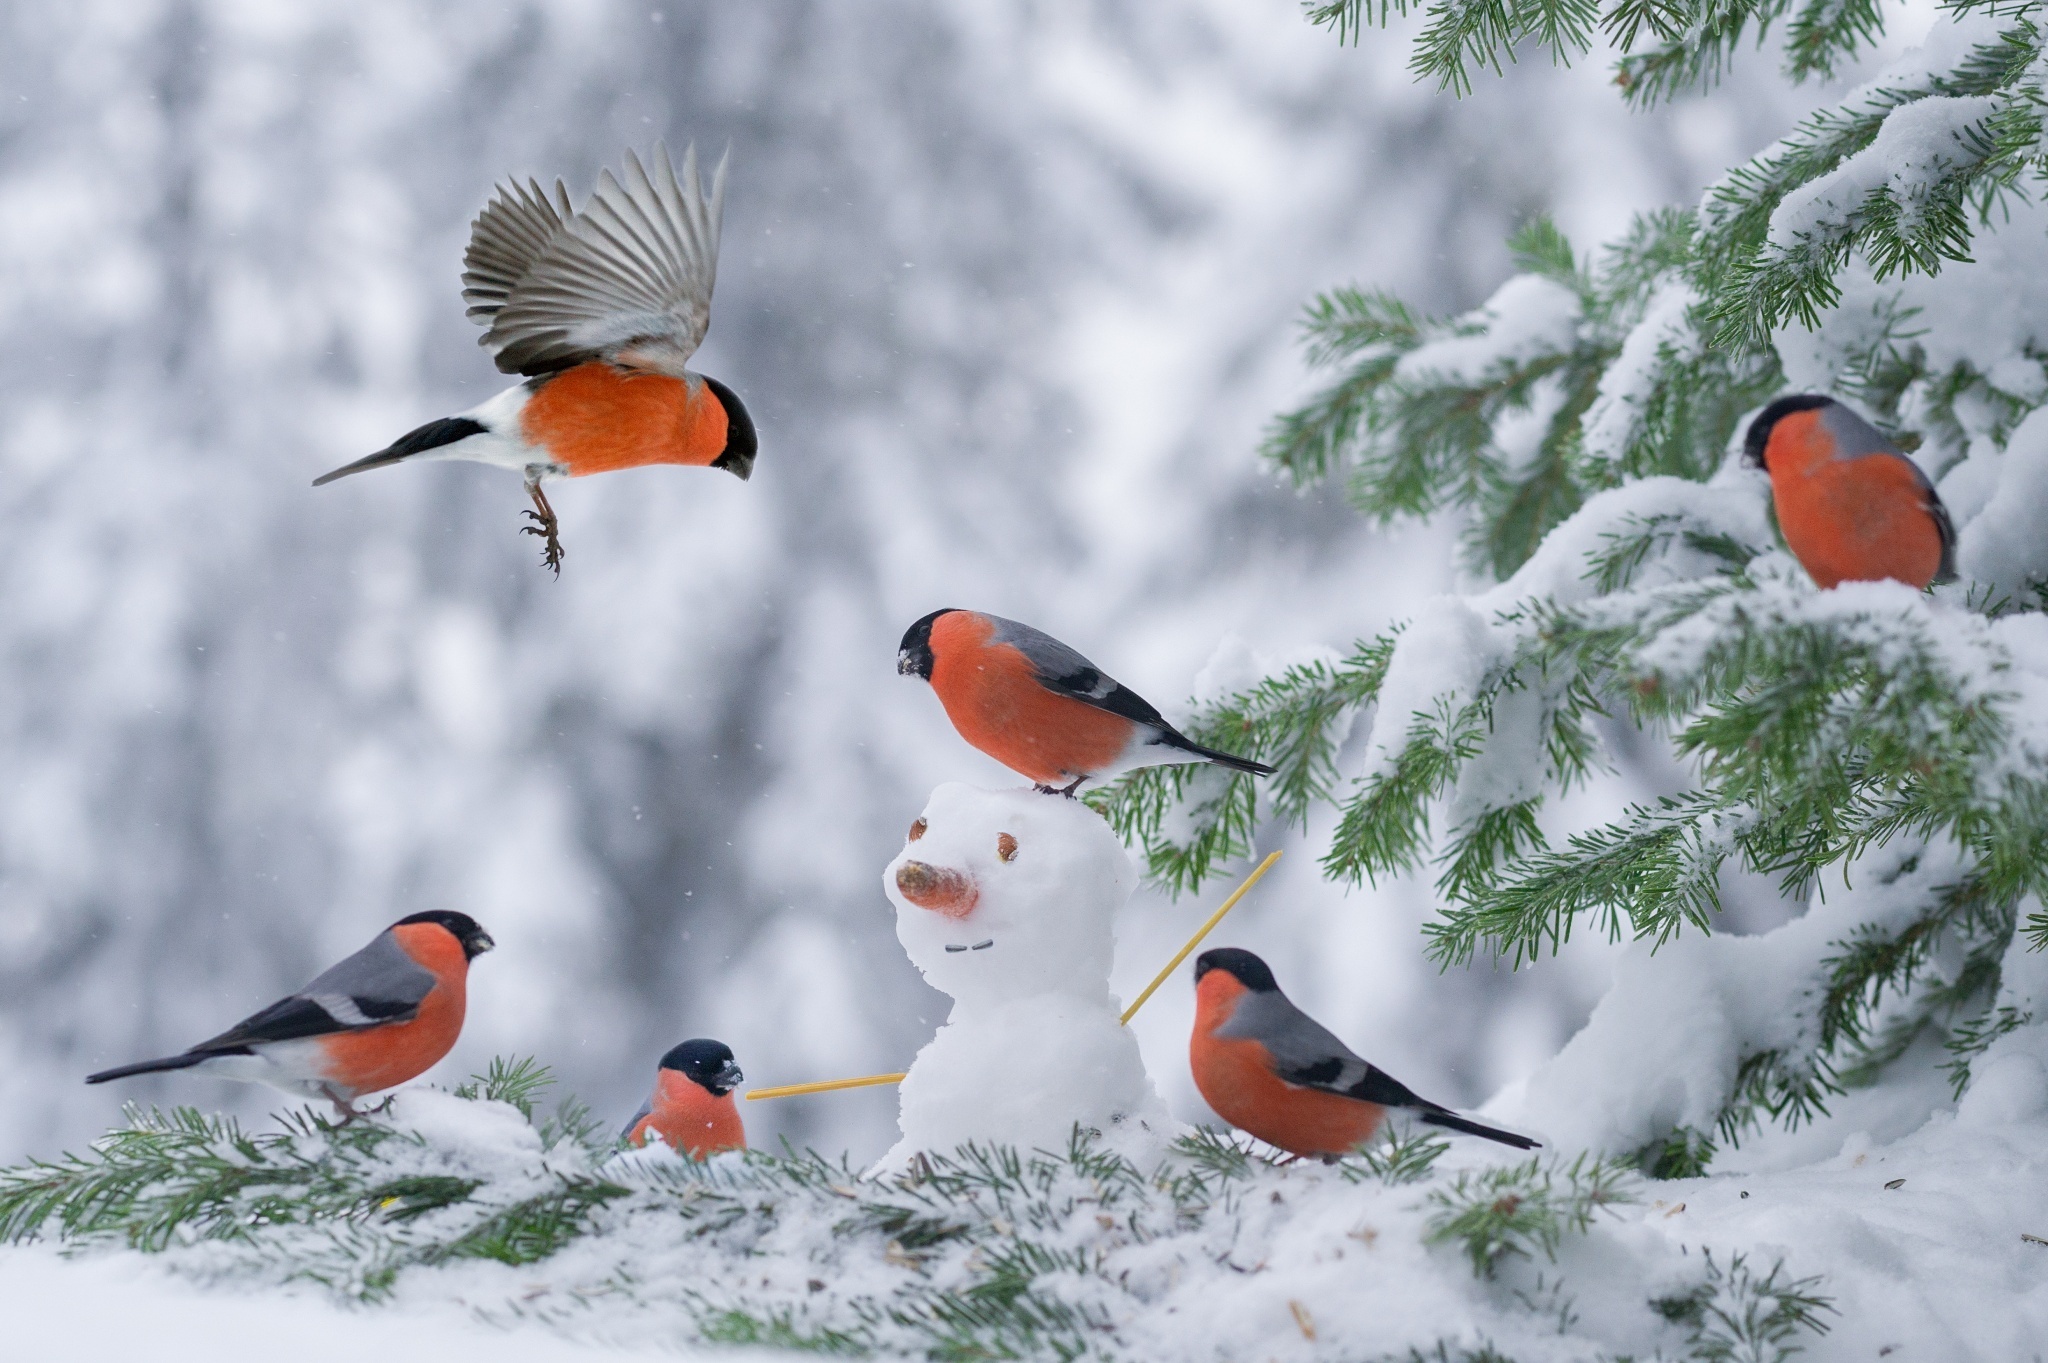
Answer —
728 1078
906 664
478 943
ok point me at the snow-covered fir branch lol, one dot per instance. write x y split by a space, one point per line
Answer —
1583 424
986 1252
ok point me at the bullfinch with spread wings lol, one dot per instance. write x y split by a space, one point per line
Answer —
601 310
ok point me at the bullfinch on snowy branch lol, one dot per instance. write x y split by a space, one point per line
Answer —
600 309
1851 505
381 1017
692 1107
1270 1069
1040 708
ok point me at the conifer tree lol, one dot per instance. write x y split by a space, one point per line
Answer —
1584 426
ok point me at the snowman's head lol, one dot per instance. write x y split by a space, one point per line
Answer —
1006 894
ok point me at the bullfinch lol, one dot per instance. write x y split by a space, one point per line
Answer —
600 310
1040 708
691 1107
1270 1069
1851 505
381 1017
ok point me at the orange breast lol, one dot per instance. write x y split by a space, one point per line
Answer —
384 1057
597 417
1236 1081
690 1119
1850 520
993 697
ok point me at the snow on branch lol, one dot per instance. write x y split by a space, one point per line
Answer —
984 1251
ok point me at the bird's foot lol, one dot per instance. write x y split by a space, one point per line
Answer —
546 526
1067 790
348 1113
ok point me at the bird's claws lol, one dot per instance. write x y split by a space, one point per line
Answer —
350 1114
546 526
1067 790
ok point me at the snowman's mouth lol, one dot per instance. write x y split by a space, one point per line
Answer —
978 946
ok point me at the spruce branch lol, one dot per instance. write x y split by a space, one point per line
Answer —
1735 1315
1523 1209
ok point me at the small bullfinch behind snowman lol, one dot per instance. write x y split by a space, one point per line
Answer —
1004 900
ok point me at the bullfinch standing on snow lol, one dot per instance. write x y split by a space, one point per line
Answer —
1270 1069
600 309
1851 505
1038 707
691 1107
385 1015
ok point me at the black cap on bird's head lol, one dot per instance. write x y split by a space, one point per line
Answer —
1759 437
740 441
1247 969
466 930
706 1063
914 654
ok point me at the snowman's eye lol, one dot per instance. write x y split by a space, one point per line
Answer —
1006 847
917 828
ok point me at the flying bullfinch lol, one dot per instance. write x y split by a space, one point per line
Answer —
1851 505
1270 1069
1040 708
384 1015
691 1107
600 310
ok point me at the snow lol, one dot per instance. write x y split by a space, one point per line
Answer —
2002 546
1528 316
59 1308
1664 334
1917 144
1916 1226
1661 1049
1033 1043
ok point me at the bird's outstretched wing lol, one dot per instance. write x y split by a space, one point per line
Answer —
629 278
378 984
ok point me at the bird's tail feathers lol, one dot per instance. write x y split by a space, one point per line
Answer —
169 1062
1491 1133
1221 759
431 436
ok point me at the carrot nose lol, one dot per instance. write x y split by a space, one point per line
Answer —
942 891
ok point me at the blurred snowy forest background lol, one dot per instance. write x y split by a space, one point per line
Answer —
1011 293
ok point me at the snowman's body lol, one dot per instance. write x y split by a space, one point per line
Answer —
1004 900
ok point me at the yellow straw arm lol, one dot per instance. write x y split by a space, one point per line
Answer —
825 1086
872 1080
1200 933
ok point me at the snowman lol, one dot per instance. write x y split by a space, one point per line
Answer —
1004 901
